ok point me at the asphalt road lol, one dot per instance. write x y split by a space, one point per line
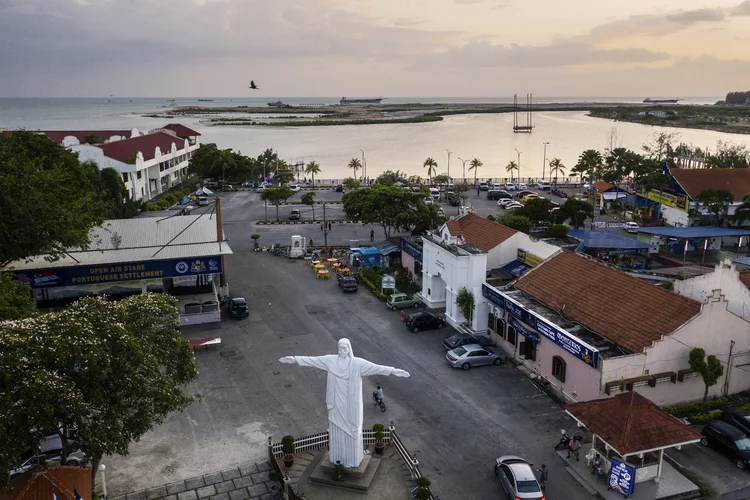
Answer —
457 422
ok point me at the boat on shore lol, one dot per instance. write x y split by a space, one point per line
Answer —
373 100
648 100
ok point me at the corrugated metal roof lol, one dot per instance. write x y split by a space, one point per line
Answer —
606 239
140 239
694 232
386 247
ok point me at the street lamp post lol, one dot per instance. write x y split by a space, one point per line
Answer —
449 165
463 168
518 164
364 171
544 161
102 467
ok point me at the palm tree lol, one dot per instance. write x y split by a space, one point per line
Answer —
312 168
742 213
556 166
590 165
431 167
474 165
510 168
355 164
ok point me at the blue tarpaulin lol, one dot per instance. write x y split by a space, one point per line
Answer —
184 200
368 256
516 268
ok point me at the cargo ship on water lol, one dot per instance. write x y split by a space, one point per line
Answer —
648 100
374 100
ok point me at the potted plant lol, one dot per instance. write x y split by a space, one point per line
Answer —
276 478
423 489
287 446
377 430
338 471
255 240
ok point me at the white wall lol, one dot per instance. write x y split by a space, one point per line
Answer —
674 217
725 278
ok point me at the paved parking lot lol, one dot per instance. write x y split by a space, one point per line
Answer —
457 422
712 468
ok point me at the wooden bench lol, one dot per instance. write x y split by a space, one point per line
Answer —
205 342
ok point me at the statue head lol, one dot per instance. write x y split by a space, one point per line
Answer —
345 349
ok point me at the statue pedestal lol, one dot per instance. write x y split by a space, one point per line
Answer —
355 478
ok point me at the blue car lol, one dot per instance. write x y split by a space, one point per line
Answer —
238 308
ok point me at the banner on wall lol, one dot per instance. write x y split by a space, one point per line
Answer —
88 275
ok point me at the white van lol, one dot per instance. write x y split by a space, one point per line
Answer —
435 194
631 227
544 185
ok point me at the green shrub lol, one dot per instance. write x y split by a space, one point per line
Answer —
287 444
491 218
171 199
691 409
557 230
705 418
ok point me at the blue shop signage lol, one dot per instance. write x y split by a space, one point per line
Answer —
524 330
91 275
492 295
621 477
411 249
568 342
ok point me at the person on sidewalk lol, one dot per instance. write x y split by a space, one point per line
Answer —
574 447
372 235
543 476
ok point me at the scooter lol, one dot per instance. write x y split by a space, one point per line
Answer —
563 443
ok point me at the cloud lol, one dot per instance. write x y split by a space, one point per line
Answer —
742 9
657 24
691 17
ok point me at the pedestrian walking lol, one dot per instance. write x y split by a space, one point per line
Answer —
543 475
372 235
311 244
478 190
574 448
321 226
329 226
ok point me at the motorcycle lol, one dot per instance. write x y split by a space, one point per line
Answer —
563 443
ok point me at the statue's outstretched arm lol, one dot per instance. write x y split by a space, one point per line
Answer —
312 361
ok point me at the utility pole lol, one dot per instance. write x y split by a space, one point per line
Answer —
725 389
544 161
325 231
463 168
265 202
364 170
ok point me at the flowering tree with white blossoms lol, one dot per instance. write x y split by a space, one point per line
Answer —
100 373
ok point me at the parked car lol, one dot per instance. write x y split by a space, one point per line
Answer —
510 187
423 321
631 227
483 186
50 449
513 205
497 186
435 194
517 477
504 202
544 185
729 440
261 188
530 197
227 188
738 418
496 194
247 184
523 193
201 200
295 188
460 339
521 186
469 355
339 188
295 214
348 284
402 301
238 308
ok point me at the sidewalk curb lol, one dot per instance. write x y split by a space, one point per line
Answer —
287 223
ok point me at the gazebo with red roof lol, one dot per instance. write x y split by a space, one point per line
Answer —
631 428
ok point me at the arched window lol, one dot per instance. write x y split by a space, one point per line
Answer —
511 336
491 322
501 327
558 368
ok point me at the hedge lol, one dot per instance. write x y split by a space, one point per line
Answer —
705 418
691 409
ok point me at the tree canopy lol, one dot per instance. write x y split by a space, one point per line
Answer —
211 162
16 301
47 201
389 206
101 373
537 210
275 196
576 212
710 368
518 222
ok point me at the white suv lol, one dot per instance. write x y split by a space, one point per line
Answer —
632 227
510 187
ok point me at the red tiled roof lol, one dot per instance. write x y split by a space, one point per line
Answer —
631 312
60 480
603 186
181 130
694 180
479 231
146 144
745 278
99 135
630 423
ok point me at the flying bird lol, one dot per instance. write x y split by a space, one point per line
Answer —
252 85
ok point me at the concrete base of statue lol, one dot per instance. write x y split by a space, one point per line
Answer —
355 478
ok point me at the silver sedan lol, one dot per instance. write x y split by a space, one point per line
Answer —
470 355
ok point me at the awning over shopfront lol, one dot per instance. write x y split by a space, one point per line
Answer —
515 268
694 232
386 247
609 196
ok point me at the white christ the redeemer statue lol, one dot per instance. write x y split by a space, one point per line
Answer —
344 398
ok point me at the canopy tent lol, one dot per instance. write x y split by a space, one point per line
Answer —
608 240
204 191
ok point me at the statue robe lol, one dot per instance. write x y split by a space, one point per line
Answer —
344 402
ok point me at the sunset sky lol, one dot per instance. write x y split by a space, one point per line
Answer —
79 48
